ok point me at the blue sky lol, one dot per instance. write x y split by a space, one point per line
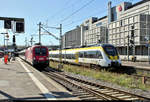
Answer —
50 12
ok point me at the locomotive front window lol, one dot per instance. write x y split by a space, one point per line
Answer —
40 51
110 50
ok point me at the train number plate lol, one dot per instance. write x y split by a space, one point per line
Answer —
41 58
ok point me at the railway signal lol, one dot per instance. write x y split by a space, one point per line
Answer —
14 39
19 27
7 24
132 42
132 31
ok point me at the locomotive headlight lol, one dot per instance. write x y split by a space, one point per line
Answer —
34 58
47 58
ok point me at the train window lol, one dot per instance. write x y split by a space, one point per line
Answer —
85 54
73 56
57 55
40 51
62 55
44 51
81 54
70 56
99 55
67 56
37 51
110 50
91 54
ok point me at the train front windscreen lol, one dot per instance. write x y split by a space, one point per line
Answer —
40 51
110 50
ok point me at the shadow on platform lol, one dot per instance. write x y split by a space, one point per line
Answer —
54 94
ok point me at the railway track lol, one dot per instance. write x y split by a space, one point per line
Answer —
86 90
91 91
143 76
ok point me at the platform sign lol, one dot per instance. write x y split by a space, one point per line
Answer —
16 24
7 24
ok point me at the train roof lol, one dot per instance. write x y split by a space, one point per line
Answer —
38 46
31 47
90 46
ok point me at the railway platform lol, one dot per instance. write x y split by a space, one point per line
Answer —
138 65
20 81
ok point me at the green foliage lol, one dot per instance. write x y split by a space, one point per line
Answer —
120 79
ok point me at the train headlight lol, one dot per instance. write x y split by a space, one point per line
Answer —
47 58
34 58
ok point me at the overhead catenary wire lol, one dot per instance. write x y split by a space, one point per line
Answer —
102 11
117 2
77 10
87 16
62 9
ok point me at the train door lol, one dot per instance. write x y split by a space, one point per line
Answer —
76 57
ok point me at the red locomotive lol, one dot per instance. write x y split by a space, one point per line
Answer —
37 55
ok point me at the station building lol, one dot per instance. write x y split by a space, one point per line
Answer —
72 38
127 20
124 22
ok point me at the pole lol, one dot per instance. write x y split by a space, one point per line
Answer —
7 39
149 54
39 32
60 45
25 42
4 42
128 48
133 48
31 41
14 38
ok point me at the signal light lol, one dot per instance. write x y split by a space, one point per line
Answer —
131 41
7 24
19 27
132 31
14 39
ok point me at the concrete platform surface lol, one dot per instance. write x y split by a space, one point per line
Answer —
18 80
